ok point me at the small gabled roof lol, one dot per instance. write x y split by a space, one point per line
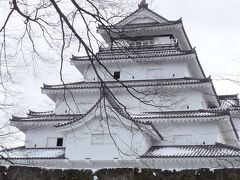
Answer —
143 6
228 101
192 151
32 153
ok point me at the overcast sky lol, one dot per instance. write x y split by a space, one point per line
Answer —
213 27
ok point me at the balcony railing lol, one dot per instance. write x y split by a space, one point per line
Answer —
140 44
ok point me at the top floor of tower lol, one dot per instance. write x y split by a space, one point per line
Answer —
143 45
145 28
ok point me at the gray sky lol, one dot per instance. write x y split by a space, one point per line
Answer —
213 27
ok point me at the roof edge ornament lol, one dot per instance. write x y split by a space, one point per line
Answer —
142 4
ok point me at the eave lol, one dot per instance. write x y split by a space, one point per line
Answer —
25 123
23 153
55 91
144 54
181 116
192 151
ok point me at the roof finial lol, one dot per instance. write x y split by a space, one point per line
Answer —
143 4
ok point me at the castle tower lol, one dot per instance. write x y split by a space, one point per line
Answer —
144 102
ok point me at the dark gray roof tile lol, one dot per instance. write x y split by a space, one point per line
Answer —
182 151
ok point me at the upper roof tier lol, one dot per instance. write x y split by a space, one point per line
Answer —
145 23
125 54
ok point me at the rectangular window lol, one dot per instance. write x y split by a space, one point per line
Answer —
59 141
116 74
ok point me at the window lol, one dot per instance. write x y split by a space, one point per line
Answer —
59 141
116 75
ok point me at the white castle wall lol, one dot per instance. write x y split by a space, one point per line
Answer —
86 142
177 99
143 70
39 137
185 132
77 102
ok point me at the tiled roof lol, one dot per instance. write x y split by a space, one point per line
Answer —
126 54
33 153
140 8
180 114
54 117
139 25
181 151
228 96
128 83
228 101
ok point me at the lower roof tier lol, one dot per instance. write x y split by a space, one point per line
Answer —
218 150
33 153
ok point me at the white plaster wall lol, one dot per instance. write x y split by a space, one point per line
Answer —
139 71
164 99
77 102
38 136
79 143
167 100
184 133
142 19
228 135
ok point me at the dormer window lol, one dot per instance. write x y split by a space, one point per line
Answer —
116 74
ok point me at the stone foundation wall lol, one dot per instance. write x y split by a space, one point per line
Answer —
34 173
